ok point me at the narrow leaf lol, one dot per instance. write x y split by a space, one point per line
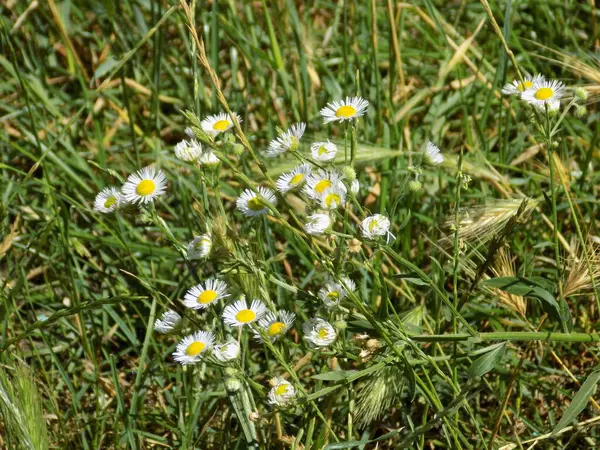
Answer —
587 389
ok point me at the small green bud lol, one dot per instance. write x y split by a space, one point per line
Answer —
232 384
228 138
349 173
554 144
580 111
414 186
552 112
580 93
230 371
238 149
340 325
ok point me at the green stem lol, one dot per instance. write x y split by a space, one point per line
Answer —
511 336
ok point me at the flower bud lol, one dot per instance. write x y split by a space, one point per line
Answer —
232 384
349 173
414 186
580 111
340 325
238 149
580 93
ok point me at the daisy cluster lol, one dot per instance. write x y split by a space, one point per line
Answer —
324 189
537 91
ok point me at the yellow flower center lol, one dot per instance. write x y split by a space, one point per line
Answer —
207 296
323 333
275 328
322 150
281 389
145 187
296 179
195 348
544 93
245 316
373 224
110 201
332 199
255 204
334 295
322 185
345 111
525 85
221 125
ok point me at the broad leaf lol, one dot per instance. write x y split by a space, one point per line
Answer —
487 361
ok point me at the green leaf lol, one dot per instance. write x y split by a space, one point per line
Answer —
105 67
588 388
487 361
335 375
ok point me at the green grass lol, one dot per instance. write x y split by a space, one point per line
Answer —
91 92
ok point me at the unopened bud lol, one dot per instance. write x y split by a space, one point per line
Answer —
232 384
354 245
414 185
349 173
580 93
340 325
580 111
238 149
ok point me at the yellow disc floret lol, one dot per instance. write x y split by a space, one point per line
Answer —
195 348
145 187
245 316
345 111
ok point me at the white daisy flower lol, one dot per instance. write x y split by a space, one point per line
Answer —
517 87
282 393
275 325
333 197
349 109
199 247
191 348
432 155
375 226
239 314
319 332
144 186
167 322
355 187
544 92
228 351
203 295
291 180
317 224
333 293
287 141
208 158
107 200
318 182
323 151
188 151
252 204
218 123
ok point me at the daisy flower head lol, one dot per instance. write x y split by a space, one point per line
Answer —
199 247
333 197
355 187
287 141
295 178
227 351
319 332
282 393
188 151
107 200
191 348
517 87
144 186
375 226
333 293
275 325
544 93
208 158
167 322
203 295
318 182
432 156
338 111
250 203
239 314
317 224
219 123
323 151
